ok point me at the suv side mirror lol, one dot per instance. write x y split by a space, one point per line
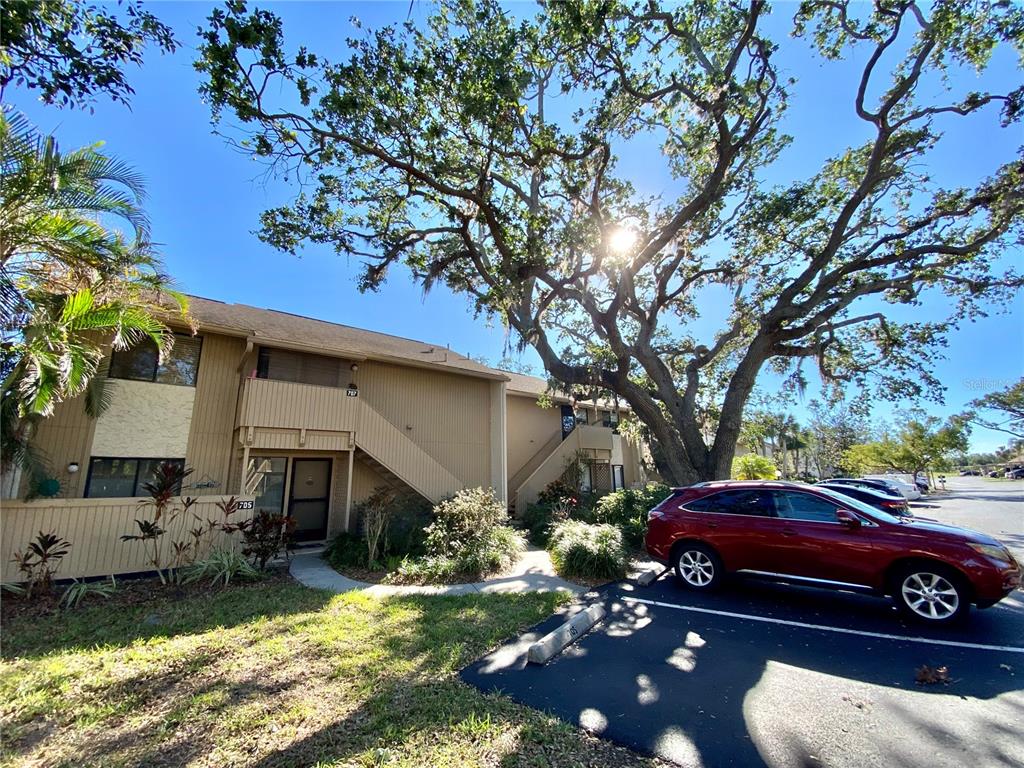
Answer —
847 518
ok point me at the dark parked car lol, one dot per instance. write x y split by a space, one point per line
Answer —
1014 474
811 535
867 482
887 502
969 473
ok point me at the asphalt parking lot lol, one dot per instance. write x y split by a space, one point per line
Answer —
770 674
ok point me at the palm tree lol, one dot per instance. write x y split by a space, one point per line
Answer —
71 283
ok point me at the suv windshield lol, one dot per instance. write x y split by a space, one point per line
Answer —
859 506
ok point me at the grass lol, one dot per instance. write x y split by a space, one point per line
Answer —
275 674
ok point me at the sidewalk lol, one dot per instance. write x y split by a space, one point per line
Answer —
533 573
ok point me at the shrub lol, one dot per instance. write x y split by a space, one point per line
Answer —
559 491
161 490
264 536
410 515
750 466
221 565
467 540
540 518
376 511
627 510
498 550
461 521
78 590
40 561
346 550
588 551
407 516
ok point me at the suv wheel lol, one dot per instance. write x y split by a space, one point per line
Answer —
698 566
931 594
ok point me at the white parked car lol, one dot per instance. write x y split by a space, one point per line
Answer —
909 490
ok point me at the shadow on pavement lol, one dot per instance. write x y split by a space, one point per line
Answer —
705 689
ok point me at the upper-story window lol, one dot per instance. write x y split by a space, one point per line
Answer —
301 367
582 416
142 362
608 418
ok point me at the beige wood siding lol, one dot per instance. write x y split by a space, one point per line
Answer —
63 438
210 440
94 527
446 415
288 405
530 428
595 442
275 405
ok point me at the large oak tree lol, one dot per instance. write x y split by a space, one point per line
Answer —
480 149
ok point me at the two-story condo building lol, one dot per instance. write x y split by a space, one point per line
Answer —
304 417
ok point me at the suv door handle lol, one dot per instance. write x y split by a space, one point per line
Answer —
711 525
789 532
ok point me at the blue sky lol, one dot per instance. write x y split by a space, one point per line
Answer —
204 199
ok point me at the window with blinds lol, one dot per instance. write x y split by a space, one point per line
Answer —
142 363
300 367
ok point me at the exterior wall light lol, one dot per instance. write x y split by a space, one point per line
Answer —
72 467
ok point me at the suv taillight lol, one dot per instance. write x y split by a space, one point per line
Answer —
658 508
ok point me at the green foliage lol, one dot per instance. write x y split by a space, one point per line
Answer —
79 590
1006 408
920 444
540 517
493 552
40 560
468 539
346 550
503 197
12 589
72 52
375 512
164 511
591 551
627 509
462 521
750 466
221 566
408 515
70 282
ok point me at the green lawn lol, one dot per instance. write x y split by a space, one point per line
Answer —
275 674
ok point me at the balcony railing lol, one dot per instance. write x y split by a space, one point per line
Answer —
288 405
283 405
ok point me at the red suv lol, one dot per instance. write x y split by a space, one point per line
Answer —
815 536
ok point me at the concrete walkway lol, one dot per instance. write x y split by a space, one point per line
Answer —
533 573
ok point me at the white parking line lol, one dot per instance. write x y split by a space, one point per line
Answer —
826 628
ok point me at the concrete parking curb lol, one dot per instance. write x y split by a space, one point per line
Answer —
554 642
646 578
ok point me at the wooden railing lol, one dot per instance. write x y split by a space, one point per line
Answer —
585 437
287 405
94 528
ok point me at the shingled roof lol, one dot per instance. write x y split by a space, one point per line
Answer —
273 327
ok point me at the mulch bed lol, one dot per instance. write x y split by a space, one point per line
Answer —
130 592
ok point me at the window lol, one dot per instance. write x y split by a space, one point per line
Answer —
793 505
739 502
586 478
142 363
121 478
618 479
582 416
608 418
265 479
285 365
